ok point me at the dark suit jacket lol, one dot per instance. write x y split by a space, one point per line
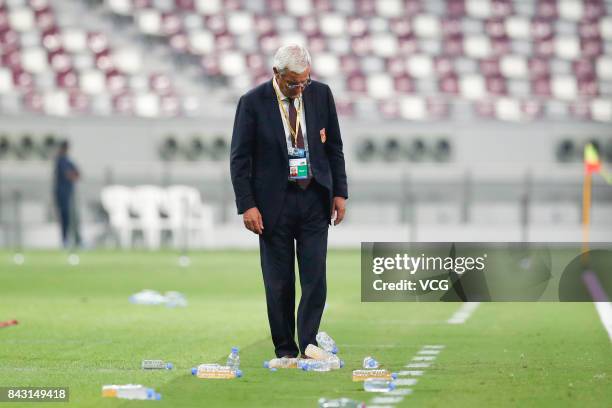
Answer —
259 163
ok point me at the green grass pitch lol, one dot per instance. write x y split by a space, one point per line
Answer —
77 329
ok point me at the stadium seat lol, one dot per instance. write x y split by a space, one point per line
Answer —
116 201
189 219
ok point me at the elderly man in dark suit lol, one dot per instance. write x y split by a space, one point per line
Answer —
289 178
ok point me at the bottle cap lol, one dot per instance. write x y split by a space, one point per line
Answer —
194 371
391 386
158 396
335 349
394 375
238 373
274 369
150 393
234 349
169 366
266 364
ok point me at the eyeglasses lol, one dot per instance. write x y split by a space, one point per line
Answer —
295 85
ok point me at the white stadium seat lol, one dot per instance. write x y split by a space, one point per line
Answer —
149 21
239 23
567 47
121 7
298 8
201 42
146 105
127 59
426 25
56 103
413 108
232 63
380 86
508 109
564 87
420 66
34 59
518 27
472 87
513 66
22 19
384 45
332 24
601 110
604 67
389 8
74 40
481 9
208 7
477 46
326 64
572 10
6 81
92 82
605 27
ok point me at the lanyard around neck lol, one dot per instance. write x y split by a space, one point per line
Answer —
294 132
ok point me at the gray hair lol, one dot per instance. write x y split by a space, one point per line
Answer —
292 57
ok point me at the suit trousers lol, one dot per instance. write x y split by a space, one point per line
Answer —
301 229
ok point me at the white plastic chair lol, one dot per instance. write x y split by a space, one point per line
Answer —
188 217
146 204
116 201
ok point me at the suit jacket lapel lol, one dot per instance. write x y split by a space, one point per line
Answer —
275 118
311 116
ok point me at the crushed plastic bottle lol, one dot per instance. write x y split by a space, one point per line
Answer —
340 403
378 385
315 365
327 343
333 363
175 299
317 353
156 365
233 360
130 391
284 362
152 297
218 372
147 297
362 375
369 363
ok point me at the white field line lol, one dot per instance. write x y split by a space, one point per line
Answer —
427 353
605 314
464 313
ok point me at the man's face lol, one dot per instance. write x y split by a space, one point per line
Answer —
292 84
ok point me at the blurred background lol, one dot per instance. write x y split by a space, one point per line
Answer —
463 120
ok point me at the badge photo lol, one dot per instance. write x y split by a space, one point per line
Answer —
323 135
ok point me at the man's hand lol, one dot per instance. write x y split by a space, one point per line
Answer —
338 210
253 221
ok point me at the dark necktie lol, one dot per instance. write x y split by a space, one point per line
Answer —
299 143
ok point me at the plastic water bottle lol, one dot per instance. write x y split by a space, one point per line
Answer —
130 391
378 385
321 365
233 360
218 372
283 362
147 297
315 365
362 375
340 403
327 343
156 365
317 353
370 363
175 299
204 367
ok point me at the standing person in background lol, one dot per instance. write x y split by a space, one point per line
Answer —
289 178
65 176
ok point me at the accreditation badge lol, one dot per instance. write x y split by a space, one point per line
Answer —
298 164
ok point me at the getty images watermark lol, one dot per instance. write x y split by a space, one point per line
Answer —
431 272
